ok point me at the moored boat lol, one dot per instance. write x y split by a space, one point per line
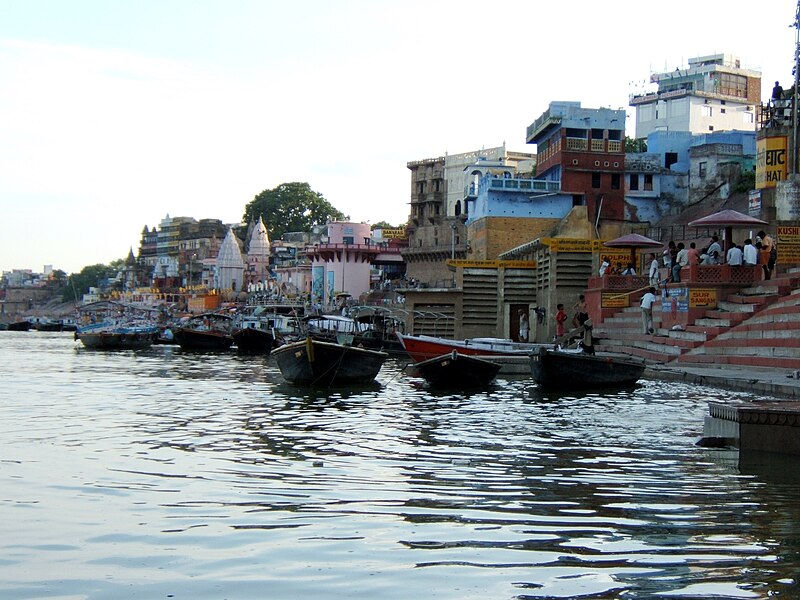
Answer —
253 337
20 326
574 369
424 347
209 331
111 325
102 336
318 363
457 371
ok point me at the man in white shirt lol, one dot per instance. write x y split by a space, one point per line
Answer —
648 300
734 256
750 256
655 276
604 264
680 261
714 251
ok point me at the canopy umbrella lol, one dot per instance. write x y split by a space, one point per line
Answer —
727 219
633 241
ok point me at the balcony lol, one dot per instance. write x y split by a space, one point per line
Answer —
577 144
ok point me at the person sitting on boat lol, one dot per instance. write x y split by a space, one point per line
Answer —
587 342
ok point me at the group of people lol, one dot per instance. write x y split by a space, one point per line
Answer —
605 267
676 256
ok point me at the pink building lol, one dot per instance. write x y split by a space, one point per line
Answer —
340 263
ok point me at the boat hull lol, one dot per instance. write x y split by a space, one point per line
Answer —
458 371
253 341
192 339
555 369
20 326
110 340
313 362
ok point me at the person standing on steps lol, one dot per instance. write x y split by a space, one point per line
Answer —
648 299
681 260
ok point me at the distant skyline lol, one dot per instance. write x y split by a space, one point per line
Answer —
115 114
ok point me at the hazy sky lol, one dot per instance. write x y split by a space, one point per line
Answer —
114 114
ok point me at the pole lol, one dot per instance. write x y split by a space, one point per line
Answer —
796 95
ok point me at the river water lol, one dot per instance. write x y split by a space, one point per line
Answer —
162 474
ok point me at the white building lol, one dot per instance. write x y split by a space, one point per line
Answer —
713 94
230 266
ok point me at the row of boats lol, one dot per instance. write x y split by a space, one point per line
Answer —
331 350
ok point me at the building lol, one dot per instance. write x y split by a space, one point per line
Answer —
439 211
258 254
229 271
715 93
340 263
583 150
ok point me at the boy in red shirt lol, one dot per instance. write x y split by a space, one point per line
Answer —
561 316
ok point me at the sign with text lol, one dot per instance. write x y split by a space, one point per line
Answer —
492 264
788 240
754 203
609 300
699 298
771 161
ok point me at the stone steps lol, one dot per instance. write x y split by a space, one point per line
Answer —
757 326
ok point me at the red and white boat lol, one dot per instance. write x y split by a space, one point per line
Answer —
514 356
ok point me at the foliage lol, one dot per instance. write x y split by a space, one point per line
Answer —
386 225
747 182
291 207
90 276
632 145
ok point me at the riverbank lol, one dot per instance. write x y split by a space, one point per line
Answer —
761 381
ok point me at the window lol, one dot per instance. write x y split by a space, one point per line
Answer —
701 169
615 181
347 239
634 182
595 180
648 182
706 111
670 158
722 111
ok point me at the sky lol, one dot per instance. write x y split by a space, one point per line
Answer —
115 114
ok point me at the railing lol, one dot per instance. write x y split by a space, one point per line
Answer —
597 146
577 144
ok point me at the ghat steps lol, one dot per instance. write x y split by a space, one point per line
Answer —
757 326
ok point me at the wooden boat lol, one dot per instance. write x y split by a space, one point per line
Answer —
104 336
314 362
252 336
20 326
457 371
424 347
575 369
111 325
210 331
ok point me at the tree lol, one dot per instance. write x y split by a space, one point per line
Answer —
79 283
386 225
291 207
632 145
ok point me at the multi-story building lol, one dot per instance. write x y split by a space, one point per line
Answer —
715 93
439 210
583 149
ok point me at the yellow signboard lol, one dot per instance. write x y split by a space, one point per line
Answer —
699 298
771 160
569 244
394 234
609 300
492 264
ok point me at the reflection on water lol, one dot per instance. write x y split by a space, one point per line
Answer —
157 473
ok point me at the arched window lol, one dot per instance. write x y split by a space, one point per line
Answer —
458 207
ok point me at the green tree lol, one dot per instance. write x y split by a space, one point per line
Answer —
632 145
90 276
386 225
291 207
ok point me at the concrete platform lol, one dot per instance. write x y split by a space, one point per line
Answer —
769 423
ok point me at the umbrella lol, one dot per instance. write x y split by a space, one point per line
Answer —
727 219
633 241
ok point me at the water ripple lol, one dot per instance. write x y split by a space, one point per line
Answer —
158 473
